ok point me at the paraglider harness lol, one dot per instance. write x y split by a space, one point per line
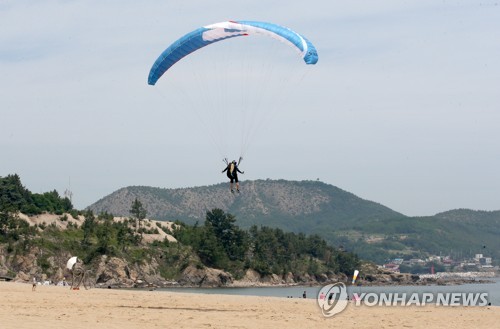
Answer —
232 169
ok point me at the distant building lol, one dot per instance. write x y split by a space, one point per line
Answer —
447 261
485 260
397 261
392 267
434 259
487 266
414 261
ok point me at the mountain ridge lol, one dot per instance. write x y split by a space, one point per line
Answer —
258 199
374 231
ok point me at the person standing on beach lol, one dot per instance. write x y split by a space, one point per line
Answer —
33 288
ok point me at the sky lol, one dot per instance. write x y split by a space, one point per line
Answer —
402 108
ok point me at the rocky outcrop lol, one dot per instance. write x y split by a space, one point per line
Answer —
117 272
209 277
33 264
114 271
205 277
253 279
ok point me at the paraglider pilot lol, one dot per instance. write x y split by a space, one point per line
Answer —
232 174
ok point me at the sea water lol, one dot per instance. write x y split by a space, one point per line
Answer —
493 290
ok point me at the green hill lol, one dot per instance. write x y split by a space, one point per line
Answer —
372 230
156 251
297 206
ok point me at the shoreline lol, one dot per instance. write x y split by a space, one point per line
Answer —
438 281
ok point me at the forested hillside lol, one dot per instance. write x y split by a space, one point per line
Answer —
367 228
15 197
298 206
134 244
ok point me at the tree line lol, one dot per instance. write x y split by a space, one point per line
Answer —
15 197
218 242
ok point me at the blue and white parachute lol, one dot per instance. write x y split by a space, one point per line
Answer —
209 34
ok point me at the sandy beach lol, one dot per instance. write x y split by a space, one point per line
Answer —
59 307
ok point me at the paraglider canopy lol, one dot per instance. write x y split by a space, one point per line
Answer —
235 86
71 262
212 33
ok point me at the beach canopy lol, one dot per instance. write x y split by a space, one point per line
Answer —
71 262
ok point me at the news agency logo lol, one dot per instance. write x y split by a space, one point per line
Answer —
332 299
422 299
